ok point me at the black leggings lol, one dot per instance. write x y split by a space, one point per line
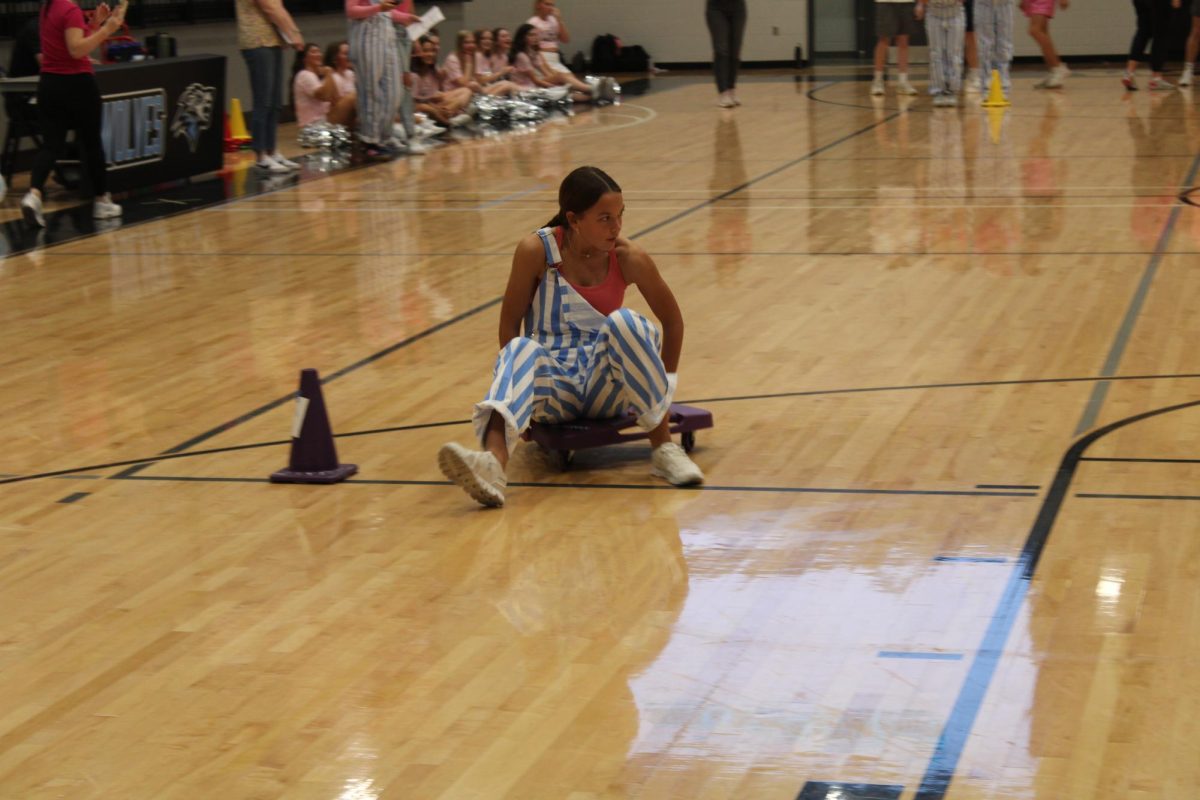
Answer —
66 103
1154 26
726 23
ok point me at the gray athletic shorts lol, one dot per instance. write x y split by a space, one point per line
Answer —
896 19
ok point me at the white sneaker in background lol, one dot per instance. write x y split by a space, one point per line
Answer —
973 83
904 87
478 473
1185 79
268 164
671 462
31 210
279 158
877 87
459 120
104 208
724 100
1056 78
415 148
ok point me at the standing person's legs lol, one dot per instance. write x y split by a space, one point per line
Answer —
935 31
257 64
274 82
1192 48
718 29
737 31
969 44
1141 37
404 49
1160 32
87 115
1002 41
985 40
956 33
54 101
1039 30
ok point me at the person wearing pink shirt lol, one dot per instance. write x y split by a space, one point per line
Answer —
501 48
319 92
462 69
530 70
375 53
435 94
552 32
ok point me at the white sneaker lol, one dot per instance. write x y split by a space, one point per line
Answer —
459 120
1055 79
904 87
973 83
105 208
415 148
268 164
1185 79
1159 85
877 87
725 101
31 209
278 158
478 472
670 462
430 129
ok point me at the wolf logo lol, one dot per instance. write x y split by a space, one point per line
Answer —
193 114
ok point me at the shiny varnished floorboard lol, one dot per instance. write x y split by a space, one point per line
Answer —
938 553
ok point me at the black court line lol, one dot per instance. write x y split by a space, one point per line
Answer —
952 741
72 498
1107 496
610 486
921 386
1125 331
1004 486
1144 460
376 356
143 462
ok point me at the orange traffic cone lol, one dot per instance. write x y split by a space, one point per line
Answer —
237 123
314 458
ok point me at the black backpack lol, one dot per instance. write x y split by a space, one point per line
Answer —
605 51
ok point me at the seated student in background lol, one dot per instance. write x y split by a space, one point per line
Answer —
531 72
485 49
462 69
319 92
499 62
434 94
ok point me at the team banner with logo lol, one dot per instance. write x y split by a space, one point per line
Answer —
162 120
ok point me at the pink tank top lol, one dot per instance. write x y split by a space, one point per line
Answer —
606 296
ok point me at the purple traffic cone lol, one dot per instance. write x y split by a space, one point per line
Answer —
314 457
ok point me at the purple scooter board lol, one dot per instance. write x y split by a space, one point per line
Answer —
581 434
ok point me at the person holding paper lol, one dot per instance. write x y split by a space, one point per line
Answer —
264 27
374 49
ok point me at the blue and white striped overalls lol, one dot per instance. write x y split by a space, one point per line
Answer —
373 49
573 362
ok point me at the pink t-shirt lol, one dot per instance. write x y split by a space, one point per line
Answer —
523 71
308 108
58 16
427 85
453 69
497 63
548 30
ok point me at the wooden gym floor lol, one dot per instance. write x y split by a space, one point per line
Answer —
947 546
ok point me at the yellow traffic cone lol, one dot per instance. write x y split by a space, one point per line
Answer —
995 96
237 122
995 123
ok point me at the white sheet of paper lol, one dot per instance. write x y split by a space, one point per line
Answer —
426 23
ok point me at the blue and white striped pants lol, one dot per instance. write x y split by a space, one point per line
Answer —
994 37
944 26
621 370
377 71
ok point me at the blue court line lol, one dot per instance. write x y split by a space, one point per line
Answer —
952 741
920 655
971 559
1125 331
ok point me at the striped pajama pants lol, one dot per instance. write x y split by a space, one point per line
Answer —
945 26
621 370
994 38
377 71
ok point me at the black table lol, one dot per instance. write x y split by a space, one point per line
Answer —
163 119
